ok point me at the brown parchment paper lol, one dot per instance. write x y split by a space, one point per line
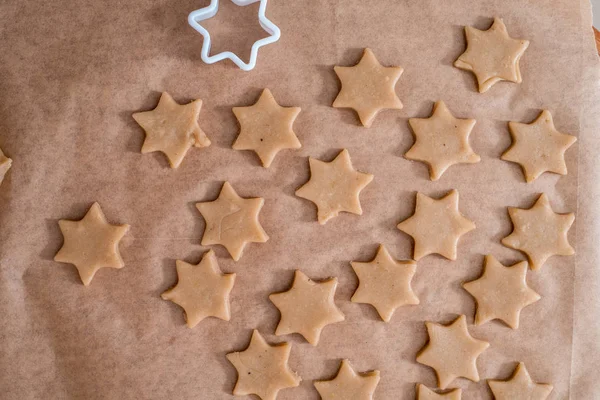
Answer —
71 74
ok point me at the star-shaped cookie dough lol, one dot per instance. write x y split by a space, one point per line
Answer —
501 292
334 186
348 384
263 368
519 387
436 226
538 147
385 283
539 232
172 128
91 243
424 393
202 290
368 87
307 307
266 128
441 141
5 164
492 55
451 351
232 221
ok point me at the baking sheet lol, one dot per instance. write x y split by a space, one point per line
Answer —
73 72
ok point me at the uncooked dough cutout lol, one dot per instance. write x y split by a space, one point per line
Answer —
520 386
349 385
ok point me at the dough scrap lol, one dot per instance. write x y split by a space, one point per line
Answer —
451 351
539 232
172 128
307 307
441 141
91 243
436 226
519 387
348 384
501 292
385 283
492 55
202 290
263 369
266 128
424 393
232 221
5 164
538 147
368 87
334 187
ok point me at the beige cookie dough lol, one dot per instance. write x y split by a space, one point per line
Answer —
368 87
519 387
385 283
441 141
266 128
307 307
202 290
172 128
451 351
263 368
436 226
91 243
424 393
538 147
349 385
232 221
334 187
539 232
492 55
5 164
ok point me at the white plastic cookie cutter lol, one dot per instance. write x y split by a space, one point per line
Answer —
210 11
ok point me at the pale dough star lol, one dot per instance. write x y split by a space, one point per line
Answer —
519 387
539 232
436 226
5 164
91 243
172 128
266 128
451 351
538 147
424 393
492 55
307 307
368 87
232 221
348 384
334 186
384 283
501 292
441 141
263 368
201 290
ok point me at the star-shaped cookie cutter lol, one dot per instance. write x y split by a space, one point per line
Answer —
210 11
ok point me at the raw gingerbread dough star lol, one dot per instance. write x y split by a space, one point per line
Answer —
307 307
492 55
263 368
451 351
5 164
441 141
334 186
368 87
436 226
232 221
501 292
91 243
348 384
424 393
172 128
539 232
519 387
385 283
266 128
202 290
538 147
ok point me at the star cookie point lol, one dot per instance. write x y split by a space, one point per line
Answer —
425 393
349 384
